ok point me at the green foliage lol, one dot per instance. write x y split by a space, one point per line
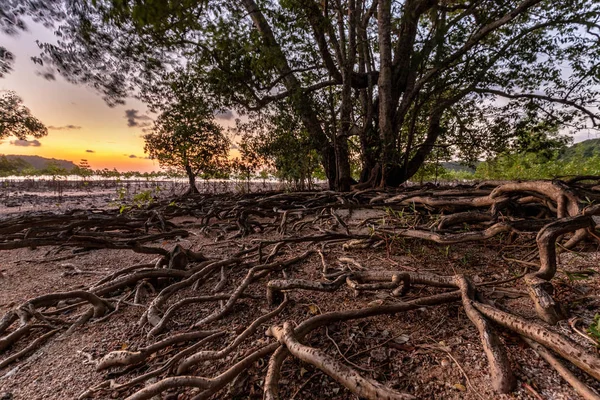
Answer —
55 170
594 328
143 198
16 119
278 140
579 275
11 167
121 193
83 170
107 173
541 138
185 136
586 149
532 166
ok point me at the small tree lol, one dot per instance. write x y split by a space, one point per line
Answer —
186 137
16 119
244 169
83 170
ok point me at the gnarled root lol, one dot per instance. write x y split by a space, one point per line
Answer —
211 385
540 292
214 355
123 357
578 385
538 285
34 345
503 380
348 377
581 357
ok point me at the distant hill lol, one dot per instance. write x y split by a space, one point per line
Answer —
586 149
38 162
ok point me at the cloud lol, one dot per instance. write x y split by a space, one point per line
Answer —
134 119
90 151
26 143
224 114
234 146
64 127
132 156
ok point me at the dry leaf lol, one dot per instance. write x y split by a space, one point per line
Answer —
460 387
313 309
402 339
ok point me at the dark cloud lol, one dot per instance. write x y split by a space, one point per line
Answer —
26 143
64 127
90 151
132 156
224 114
134 119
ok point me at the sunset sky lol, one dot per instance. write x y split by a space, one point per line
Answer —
80 124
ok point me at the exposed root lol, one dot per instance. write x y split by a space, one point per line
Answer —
124 357
360 386
235 276
578 385
34 345
566 348
214 355
210 385
503 380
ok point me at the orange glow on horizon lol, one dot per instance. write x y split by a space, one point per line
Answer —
80 123
123 157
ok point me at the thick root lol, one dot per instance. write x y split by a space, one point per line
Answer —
348 377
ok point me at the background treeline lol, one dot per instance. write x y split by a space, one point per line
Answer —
580 159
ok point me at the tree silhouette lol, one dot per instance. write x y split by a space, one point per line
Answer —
185 135
16 119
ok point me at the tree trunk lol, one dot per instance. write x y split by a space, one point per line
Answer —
386 106
192 180
302 103
369 149
344 178
328 163
369 143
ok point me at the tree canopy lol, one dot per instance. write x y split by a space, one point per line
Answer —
16 119
398 78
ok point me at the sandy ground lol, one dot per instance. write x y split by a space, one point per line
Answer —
435 353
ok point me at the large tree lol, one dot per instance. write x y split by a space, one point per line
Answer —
407 76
